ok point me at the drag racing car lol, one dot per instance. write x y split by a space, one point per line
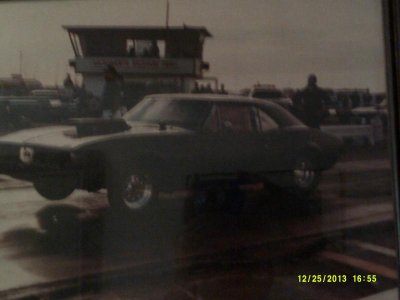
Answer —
168 142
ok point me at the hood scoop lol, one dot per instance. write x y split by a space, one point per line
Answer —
98 126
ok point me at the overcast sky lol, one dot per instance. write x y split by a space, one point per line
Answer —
267 41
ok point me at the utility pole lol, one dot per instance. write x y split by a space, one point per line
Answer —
20 62
167 15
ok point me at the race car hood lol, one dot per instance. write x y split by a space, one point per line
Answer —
68 137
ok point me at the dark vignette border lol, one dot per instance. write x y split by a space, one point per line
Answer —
391 22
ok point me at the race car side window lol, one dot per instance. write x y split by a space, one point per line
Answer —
266 122
212 122
236 118
280 115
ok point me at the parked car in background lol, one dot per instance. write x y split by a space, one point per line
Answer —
374 115
364 114
169 142
30 107
63 103
17 85
270 92
43 105
346 100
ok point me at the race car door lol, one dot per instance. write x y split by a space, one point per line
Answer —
231 135
274 144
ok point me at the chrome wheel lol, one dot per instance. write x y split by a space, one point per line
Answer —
304 174
137 191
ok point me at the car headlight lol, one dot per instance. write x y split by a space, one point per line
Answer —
26 155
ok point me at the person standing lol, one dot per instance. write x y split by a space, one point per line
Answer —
68 83
69 91
154 50
310 102
196 88
222 90
111 98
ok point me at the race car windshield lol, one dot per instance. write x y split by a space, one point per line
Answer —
184 113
